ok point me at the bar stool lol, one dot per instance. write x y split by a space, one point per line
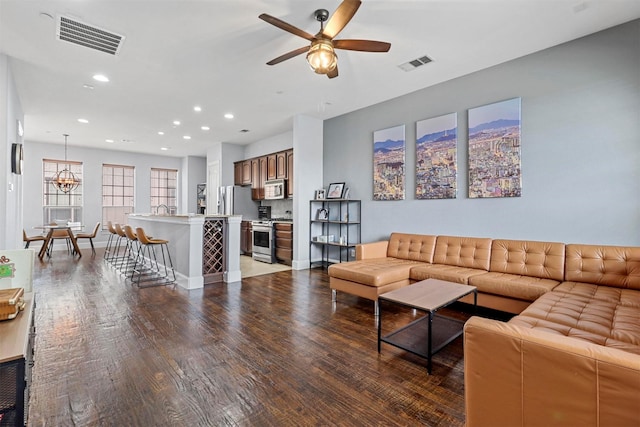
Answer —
149 244
113 236
134 245
120 261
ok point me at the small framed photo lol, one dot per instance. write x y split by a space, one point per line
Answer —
323 214
335 190
320 195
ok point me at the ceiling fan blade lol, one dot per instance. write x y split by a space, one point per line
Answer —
286 26
341 18
333 73
362 45
288 55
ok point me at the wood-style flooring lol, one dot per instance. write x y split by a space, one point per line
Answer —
271 350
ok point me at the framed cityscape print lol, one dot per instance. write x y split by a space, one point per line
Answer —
388 163
436 157
494 150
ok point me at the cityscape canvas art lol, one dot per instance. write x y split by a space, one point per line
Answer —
436 157
494 150
389 163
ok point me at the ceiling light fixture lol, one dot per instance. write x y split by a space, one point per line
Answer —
164 148
228 116
197 108
176 122
160 133
186 137
85 121
205 128
65 180
321 57
110 141
101 78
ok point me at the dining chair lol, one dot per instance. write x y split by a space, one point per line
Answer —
60 235
30 239
90 236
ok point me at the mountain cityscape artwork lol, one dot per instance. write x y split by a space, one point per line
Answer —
389 163
436 157
494 150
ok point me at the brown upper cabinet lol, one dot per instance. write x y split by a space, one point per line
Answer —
256 171
281 165
271 166
289 155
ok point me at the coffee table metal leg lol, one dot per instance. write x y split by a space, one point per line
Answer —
379 327
429 354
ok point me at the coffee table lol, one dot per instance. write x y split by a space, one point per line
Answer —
431 333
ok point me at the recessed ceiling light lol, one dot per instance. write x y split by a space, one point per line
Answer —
101 78
110 141
83 121
87 86
176 122
228 116
197 108
205 127
165 148
160 133
186 137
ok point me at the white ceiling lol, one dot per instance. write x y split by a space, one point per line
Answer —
212 53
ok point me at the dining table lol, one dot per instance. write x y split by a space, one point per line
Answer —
50 228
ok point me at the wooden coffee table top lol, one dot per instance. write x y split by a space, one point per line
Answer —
428 295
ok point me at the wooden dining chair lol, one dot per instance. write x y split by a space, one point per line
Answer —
60 235
29 239
90 236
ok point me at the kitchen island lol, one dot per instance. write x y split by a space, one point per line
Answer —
204 248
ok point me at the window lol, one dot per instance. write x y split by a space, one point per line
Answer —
117 193
58 206
164 190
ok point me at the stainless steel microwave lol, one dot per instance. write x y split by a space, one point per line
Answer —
274 189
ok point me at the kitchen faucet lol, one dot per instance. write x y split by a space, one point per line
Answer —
165 207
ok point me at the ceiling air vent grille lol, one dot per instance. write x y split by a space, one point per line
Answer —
415 63
83 34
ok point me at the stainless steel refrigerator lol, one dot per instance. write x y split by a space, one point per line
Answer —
236 200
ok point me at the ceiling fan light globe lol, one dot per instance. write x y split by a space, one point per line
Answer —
321 57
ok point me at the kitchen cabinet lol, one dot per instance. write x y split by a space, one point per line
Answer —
255 179
281 165
289 156
237 173
271 166
284 242
246 237
263 176
246 172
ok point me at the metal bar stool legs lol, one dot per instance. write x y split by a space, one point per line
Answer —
151 274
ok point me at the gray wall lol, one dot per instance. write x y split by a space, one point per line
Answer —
580 147
92 160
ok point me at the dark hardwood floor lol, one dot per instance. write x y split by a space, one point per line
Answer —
270 351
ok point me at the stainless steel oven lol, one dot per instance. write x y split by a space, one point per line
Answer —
263 242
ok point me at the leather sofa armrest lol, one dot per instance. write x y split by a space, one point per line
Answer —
372 250
521 376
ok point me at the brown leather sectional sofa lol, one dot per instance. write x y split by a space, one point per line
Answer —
572 354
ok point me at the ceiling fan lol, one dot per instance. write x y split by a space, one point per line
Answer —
321 53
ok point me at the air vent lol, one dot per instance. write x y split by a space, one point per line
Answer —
86 35
415 63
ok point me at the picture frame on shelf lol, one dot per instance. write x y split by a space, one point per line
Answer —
320 194
335 190
323 214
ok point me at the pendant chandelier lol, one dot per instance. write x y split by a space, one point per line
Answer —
65 180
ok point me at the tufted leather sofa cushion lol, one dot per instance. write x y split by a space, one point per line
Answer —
528 258
373 272
626 297
415 247
606 322
615 266
470 252
513 285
